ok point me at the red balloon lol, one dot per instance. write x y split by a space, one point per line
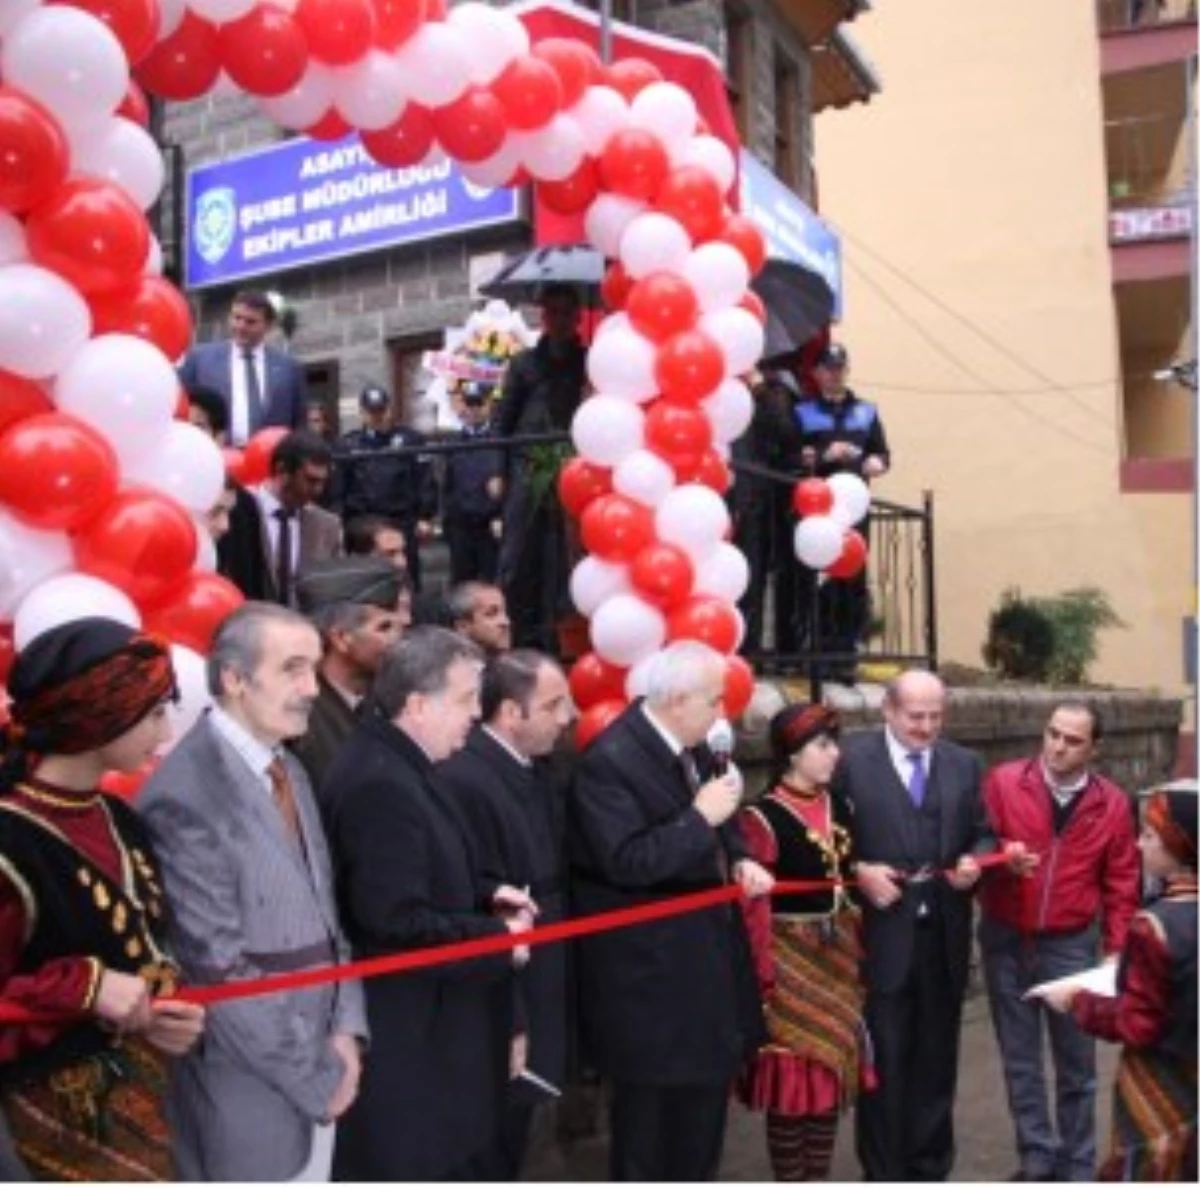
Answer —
91 233
739 686
331 126
256 457
55 471
265 52
435 10
134 106
593 680
472 128
812 497
186 64
235 464
615 288
155 310
853 558
579 482
596 719
21 398
404 142
142 543
338 31
575 64
689 367
744 234
33 152
574 193
675 429
133 22
707 619
8 653
529 92
662 304
127 784
631 75
708 468
692 197
195 610
616 528
662 574
183 406
397 20
633 163
753 303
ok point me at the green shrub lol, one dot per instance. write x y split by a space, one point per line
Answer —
1020 639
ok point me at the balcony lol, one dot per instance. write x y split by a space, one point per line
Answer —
1135 34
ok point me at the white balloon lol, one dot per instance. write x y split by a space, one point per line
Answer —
28 556
637 679
13 248
606 429
124 153
43 321
818 541
492 40
729 410
306 102
599 112
435 63
124 387
369 93
187 465
594 581
626 629
494 171
712 155
719 274
695 518
221 11
67 597
154 257
554 151
69 61
621 363
643 476
191 677
170 16
724 573
665 109
851 498
12 12
206 547
738 333
606 220
614 321
654 242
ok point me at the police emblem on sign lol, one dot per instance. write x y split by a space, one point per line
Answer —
215 223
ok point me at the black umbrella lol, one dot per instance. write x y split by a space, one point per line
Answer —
522 279
799 303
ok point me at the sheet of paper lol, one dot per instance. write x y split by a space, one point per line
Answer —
1101 980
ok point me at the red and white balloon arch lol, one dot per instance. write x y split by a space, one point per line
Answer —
101 484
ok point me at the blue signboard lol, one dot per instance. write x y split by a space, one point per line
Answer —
793 231
304 201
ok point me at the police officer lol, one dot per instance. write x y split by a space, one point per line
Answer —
471 491
399 486
840 433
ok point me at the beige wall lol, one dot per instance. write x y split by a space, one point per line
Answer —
979 175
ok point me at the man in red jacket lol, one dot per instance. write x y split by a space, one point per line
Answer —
1072 882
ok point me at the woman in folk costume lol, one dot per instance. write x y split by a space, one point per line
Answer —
806 951
81 910
1154 1011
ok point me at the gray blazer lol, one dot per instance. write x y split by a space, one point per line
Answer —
245 902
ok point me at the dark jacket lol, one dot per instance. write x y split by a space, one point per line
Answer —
405 881
210 365
821 423
886 830
400 487
465 479
541 392
330 723
673 1002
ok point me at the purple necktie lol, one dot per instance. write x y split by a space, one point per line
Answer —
916 781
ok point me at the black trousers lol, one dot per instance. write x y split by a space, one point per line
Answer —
667 1133
474 551
502 1160
905 1129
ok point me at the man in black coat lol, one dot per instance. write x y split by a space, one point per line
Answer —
405 880
669 1009
471 486
501 785
918 811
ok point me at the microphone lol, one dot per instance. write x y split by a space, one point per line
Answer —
720 742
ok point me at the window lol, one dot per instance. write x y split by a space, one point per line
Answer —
739 66
410 379
322 380
788 149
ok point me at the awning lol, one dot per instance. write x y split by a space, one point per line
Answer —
842 74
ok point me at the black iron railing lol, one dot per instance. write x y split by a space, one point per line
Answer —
1119 15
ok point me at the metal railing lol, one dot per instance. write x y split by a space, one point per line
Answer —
1116 16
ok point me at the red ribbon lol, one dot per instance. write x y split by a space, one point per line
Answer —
373 967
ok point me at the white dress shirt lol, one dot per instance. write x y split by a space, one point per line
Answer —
269 505
255 754
240 429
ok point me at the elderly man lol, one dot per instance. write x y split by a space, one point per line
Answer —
669 1009
406 881
918 812
352 602
251 894
479 611
1072 887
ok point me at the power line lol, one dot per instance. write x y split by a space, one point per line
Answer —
933 390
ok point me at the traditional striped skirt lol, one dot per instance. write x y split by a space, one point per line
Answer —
1154 1118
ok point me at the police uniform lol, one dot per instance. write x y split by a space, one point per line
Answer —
468 509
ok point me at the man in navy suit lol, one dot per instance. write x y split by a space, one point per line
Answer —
261 385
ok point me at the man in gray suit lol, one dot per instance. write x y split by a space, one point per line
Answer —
248 880
261 385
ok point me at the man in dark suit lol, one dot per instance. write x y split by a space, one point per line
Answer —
406 880
282 530
918 811
261 385
501 786
669 1009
